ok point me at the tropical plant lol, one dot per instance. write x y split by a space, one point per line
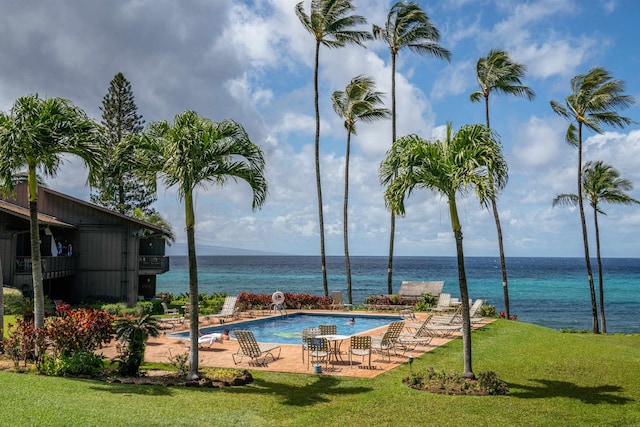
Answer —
133 332
35 135
193 151
448 167
409 27
119 188
1 310
601 183
594 101
496 72
331 25
358 102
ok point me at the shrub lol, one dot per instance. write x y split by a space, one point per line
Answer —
181 362
503 315
25 343
488 311
491 382
78 363
81 330
12 297
487 383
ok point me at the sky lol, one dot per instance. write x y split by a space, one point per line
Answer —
252 61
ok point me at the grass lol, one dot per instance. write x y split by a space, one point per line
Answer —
554 378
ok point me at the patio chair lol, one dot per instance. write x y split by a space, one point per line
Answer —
228 310
387 342
328 329
169 311
318 349
308 333
249 347
360 345
456 318
338 302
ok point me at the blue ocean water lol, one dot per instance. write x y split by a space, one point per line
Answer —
552 292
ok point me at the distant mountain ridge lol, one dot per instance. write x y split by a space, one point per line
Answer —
180 249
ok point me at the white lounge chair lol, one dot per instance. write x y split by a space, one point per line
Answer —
228 310
338 302
210 338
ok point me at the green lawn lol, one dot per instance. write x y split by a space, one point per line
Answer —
555 379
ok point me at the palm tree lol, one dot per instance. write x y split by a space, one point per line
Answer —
133 332
358 102
192 152
34 136
496 72
446 167
331 25
594 101
601 183
407 26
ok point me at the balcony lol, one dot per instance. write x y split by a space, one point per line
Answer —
52 266
153 264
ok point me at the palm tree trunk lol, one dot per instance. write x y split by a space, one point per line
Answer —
392 225
36 265
496 217
603 322
193 286
345 214
316 104
464 293
594 305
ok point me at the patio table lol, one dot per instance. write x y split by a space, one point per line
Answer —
336 339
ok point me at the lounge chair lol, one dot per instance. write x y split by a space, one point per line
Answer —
387 342
210 338
360 345
318 349
169 311
228 310
444 303
456 318
422 336
338 302
249 347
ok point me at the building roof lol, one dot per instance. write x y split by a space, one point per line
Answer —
144 224
23 213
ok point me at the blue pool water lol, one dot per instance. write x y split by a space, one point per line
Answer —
288 329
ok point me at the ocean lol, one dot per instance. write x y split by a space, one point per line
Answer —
552 292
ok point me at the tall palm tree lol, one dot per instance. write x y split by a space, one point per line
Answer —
447 167
194 151
595 99
409 27
34 136
601 183
331 25
358 102
496 72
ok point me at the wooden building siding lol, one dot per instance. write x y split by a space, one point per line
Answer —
106 246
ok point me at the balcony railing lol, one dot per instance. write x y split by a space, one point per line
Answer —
52 266
153 264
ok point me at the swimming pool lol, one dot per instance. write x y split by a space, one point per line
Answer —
287 329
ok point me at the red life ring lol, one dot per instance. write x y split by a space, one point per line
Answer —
277 298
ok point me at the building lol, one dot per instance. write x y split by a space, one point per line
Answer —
88 252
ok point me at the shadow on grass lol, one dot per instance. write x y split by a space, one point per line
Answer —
316 390
133 389
550 388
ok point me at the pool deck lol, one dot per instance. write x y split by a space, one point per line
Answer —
160 349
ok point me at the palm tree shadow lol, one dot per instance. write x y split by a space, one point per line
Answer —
317 390
550 388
